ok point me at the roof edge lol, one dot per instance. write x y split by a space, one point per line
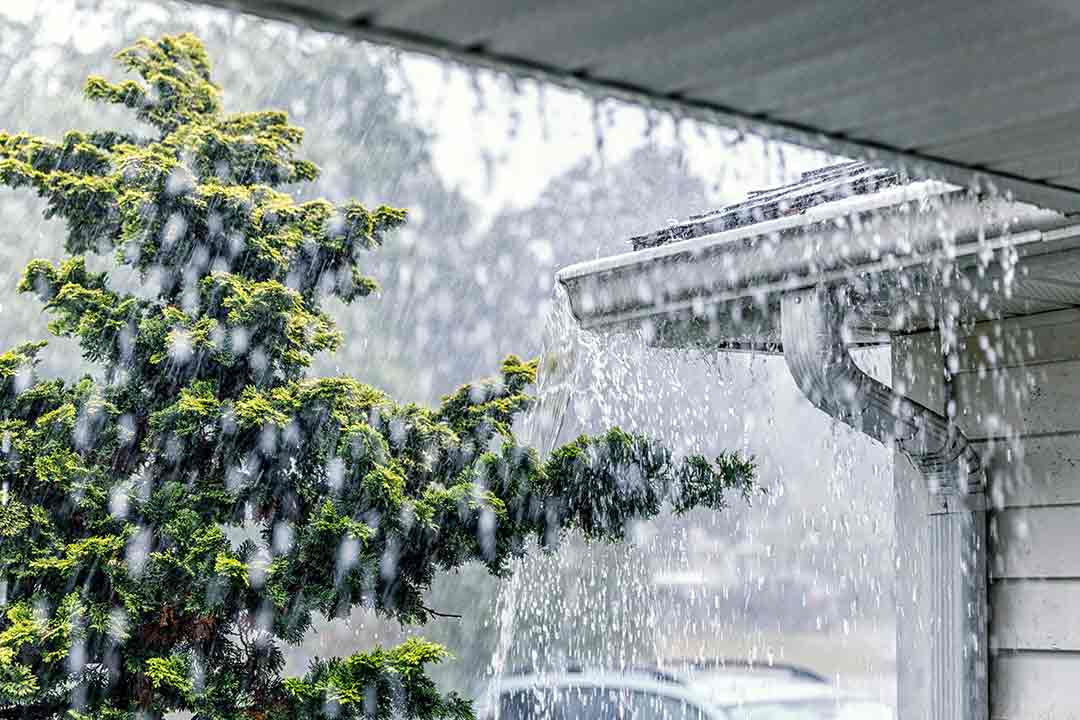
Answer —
1049 195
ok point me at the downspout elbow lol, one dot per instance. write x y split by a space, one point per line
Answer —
817 354
816 351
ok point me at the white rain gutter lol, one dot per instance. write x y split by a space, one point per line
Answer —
891 230
806 262
816 351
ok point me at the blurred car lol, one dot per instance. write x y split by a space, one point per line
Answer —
717 691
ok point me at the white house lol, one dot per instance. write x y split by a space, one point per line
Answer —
978 298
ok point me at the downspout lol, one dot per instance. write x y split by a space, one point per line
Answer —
816 351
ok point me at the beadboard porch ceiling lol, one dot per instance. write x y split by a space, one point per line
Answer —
945 88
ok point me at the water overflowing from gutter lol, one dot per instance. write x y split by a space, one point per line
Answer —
562 348
702 587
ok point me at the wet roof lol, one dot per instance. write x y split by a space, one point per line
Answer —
815 188
905 247
986 86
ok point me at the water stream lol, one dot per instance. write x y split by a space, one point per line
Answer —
801 571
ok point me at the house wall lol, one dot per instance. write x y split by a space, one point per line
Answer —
1017 386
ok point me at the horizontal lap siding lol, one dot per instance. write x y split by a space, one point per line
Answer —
1035 471
1035 685
1036 615
1034 400
1041 542
1040 339
1018 392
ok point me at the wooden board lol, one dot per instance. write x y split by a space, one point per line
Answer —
1033 400
1035 615
1035 686
1044 338
1037 542
1032 471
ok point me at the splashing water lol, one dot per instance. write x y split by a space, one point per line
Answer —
561 351
709 586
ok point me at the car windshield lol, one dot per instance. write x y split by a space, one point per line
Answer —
812 710
594 703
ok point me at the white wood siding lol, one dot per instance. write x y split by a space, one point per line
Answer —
1043 685
1017 388
1035 615
1018 391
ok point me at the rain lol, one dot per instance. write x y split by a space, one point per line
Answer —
602 237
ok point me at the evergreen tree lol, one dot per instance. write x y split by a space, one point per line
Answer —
121 594
366 145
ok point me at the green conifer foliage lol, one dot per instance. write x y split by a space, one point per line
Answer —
120 593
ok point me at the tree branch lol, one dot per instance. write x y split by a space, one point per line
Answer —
436 613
